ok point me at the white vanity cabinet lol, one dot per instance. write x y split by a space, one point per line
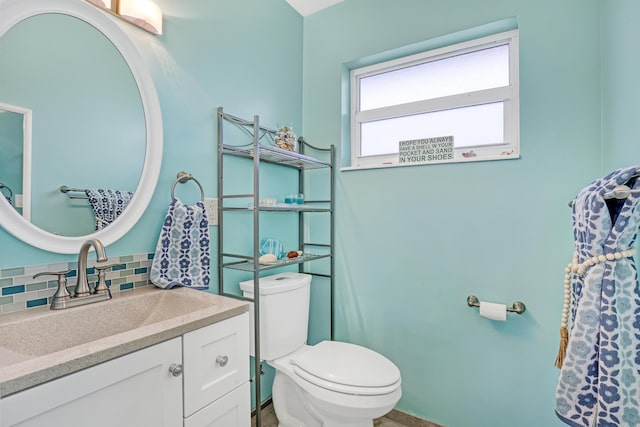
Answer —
182 381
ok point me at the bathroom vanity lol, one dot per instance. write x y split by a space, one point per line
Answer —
183 359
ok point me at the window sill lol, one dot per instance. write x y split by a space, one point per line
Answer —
383 165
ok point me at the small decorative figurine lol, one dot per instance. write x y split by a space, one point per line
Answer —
286 139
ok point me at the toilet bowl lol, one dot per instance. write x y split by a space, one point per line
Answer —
330 384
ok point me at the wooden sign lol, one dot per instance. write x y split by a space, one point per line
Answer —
426 150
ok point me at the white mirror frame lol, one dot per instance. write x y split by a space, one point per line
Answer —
15 11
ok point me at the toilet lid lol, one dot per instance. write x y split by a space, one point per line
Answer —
347 368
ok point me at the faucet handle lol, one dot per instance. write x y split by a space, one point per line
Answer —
101 287
62 294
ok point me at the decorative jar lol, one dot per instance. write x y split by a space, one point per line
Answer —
285 138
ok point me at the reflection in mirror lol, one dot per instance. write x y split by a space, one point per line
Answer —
88 120
15 157
11 140
7 192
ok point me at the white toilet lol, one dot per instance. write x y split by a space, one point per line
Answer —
330 384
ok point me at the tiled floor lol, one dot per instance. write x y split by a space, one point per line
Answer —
386 422
269 420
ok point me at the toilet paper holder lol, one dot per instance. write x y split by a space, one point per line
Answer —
517 307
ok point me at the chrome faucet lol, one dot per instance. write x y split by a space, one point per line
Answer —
82 294
82 286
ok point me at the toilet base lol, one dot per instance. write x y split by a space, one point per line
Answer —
292 408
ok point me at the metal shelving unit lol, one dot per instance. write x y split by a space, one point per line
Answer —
260 150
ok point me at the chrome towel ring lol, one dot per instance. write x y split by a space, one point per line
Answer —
183 177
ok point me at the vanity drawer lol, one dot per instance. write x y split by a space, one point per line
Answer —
232 409
216 361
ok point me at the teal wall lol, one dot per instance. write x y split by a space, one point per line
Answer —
414 242
621 92
244 55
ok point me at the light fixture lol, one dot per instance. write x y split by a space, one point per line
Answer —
141 13
102 4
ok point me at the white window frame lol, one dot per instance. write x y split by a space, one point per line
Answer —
509 95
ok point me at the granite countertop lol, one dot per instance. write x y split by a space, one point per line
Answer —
40 345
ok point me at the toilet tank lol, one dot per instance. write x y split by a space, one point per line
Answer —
284 313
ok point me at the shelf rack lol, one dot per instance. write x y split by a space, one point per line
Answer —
259 150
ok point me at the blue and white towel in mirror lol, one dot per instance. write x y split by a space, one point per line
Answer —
107 205
182 256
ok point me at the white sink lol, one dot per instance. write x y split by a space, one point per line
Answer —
41 344
49 331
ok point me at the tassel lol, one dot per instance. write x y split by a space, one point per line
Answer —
564 341
571 269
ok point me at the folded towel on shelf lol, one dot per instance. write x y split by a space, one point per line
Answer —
182 255
107 205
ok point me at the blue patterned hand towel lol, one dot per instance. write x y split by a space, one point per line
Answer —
182 255
107 205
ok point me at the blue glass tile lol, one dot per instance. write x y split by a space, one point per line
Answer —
126 286
13 290
118 267
140 270
72 273
36 302
150 256
91 270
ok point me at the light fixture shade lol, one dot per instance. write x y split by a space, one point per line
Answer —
143 13
103 4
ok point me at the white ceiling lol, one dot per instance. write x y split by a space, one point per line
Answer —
307 7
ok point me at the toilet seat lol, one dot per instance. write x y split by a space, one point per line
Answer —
347 368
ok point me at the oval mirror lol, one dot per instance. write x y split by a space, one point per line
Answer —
108 91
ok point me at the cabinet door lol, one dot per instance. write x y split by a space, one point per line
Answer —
131 391
231 410
216 361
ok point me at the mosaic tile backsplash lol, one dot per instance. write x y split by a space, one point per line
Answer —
20 291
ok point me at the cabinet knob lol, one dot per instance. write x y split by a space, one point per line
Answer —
222 360
175 369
